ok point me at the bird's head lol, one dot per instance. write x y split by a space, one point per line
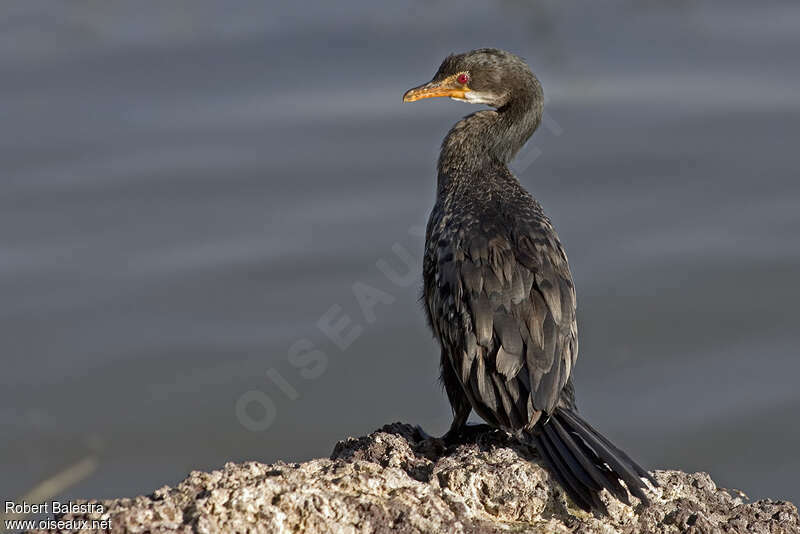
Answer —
484 76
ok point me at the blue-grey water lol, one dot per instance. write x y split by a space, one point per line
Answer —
189 189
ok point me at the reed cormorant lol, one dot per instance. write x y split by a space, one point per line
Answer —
498 291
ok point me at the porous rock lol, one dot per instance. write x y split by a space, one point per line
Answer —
398 479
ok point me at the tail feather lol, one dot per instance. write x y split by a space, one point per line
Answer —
639 470
583 496
611 479
584 462
578 468
589 460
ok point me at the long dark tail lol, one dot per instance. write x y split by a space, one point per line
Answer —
584 462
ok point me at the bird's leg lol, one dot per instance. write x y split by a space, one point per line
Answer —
459 424
460 431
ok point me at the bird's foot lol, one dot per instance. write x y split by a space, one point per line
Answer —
465 434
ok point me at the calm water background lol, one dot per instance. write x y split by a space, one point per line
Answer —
186 188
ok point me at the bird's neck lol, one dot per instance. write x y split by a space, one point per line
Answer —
487 138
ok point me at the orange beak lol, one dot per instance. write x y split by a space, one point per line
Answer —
447 87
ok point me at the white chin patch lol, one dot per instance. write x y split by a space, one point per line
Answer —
475 97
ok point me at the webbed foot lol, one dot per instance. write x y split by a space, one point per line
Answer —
465 434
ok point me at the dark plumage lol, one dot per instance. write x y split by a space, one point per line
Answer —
498 291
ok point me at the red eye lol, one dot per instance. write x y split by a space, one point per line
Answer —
463 78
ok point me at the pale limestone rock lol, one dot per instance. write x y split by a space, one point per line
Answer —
399 480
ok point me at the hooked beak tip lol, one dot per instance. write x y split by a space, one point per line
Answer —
432 90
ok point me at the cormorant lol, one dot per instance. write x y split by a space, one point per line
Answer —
498 291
